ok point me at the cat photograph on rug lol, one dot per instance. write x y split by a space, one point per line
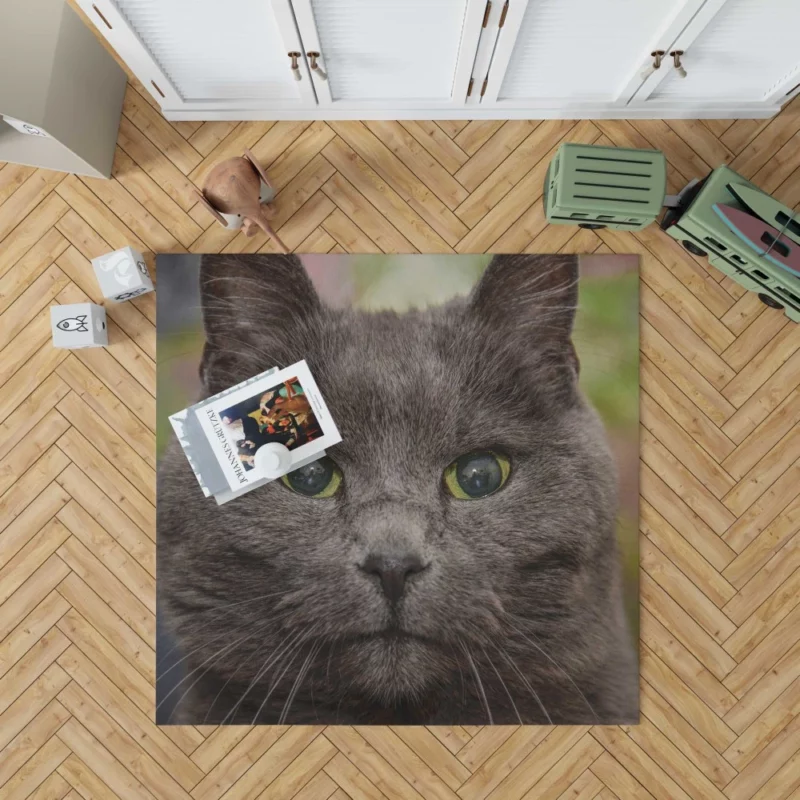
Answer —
466 555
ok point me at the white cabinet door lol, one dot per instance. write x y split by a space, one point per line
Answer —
389 53
741 51
579 53
203 54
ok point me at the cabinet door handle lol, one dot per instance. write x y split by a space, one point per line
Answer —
676 59
294 55
313 56
657 55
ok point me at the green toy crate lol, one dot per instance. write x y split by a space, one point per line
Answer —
697 226
605 187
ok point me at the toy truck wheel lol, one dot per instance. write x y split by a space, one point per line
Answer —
769 301
693 248
592 226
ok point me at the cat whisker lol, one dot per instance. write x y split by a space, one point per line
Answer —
330 658
298 682
202 675
554 309
247 355
225 685
196 649
294 651
294 642
503 683
218 609
238 280
259 674
522 677
560 668
275 683
478 682
213 657
560 289
210 641
460 673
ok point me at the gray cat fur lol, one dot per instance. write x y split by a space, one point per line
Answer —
518 615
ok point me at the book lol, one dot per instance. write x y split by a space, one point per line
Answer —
256 431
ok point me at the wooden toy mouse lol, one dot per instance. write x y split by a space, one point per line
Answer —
233 188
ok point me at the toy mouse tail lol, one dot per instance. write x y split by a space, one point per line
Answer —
263 223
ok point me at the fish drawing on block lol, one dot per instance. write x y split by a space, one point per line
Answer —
761 237
77 324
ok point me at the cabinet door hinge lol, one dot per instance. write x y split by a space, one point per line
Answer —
483 88
469 88
503 15
486 13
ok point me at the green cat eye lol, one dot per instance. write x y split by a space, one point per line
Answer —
319 479
476 475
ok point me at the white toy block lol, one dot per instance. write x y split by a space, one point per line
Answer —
122 274
78 325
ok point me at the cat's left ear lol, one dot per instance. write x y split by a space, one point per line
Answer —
256 314
531 301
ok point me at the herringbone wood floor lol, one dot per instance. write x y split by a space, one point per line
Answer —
720 464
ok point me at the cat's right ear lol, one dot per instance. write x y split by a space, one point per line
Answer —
528 302
533 297
255 311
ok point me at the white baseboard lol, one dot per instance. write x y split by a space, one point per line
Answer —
651 111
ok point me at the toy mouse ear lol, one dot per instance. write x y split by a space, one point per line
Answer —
257 167
213 211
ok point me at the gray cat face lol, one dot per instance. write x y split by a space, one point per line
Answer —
394 585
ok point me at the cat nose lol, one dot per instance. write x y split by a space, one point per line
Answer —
393 572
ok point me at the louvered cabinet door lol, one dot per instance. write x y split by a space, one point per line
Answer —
389 54
744 52
204 55
562 54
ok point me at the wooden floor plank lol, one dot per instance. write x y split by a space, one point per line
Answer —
426 168
390 182
159 131
209 134
501 180
285 157
157 165
119 743
437 143
657 710
32 228
12 176
106 774
35 735
30 267
363 218
152 197
682 554
26 198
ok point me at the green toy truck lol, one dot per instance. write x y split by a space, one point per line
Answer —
609 187
695 224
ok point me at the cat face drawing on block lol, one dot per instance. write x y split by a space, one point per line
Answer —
452 561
